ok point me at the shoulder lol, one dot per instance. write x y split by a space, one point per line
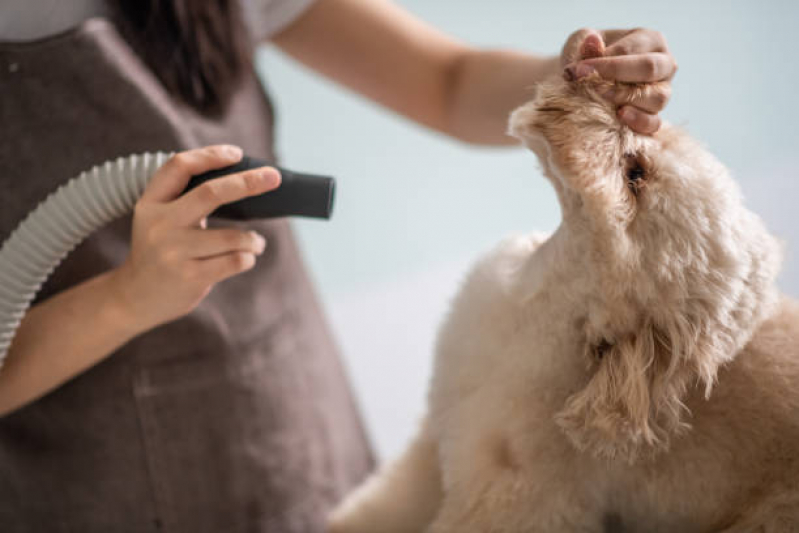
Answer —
481 315
29 20
498 272
267 18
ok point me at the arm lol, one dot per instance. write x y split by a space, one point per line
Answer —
172 265
62 337
384 53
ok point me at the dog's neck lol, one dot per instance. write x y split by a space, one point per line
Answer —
642 359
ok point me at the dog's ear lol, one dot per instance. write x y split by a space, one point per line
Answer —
633 401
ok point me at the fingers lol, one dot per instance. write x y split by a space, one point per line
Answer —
654 101
223 253
216 269
635 42
611 36
638 105
206 198
638 60
638 68
209 243
651 98
638 120
631 56
637 57
172 178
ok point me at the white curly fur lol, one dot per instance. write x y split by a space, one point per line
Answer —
637 371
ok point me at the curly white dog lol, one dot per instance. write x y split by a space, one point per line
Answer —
637 371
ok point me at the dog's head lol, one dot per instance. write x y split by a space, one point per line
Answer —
676 273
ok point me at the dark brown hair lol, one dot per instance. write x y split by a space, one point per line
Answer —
197 48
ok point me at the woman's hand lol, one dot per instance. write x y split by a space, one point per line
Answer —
174 261
627 56
172 265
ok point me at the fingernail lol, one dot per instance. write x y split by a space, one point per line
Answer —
260 242
626 114
234 152
583 70
271 176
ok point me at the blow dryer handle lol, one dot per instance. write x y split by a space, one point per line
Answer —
299 194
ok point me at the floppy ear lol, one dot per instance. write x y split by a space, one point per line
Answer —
632 403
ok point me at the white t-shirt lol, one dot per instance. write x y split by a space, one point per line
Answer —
25 20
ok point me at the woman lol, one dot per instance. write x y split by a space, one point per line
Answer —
133 397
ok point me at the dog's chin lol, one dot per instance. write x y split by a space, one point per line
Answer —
537 143
532 138
521 126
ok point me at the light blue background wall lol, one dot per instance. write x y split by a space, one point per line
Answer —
414 208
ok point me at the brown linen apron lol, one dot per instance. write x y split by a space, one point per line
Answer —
235 418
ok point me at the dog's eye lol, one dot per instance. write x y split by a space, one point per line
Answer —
601 349
635 173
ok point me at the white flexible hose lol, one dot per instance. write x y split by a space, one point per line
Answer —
61 222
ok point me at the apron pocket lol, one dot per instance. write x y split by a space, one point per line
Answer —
229 437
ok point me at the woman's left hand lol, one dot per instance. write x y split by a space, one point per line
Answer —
627 56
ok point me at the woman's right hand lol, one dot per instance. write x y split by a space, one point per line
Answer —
174 262
637 56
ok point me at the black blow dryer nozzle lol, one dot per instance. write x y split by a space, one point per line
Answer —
299 194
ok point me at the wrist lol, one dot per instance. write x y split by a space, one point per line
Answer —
551 66
120 307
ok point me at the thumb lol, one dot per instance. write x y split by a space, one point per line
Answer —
592 46
571 49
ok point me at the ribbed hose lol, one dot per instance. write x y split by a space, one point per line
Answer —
62 221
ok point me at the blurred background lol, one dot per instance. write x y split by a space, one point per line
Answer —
415 209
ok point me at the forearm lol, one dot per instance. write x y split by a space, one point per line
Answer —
386 54
485 86
61 338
